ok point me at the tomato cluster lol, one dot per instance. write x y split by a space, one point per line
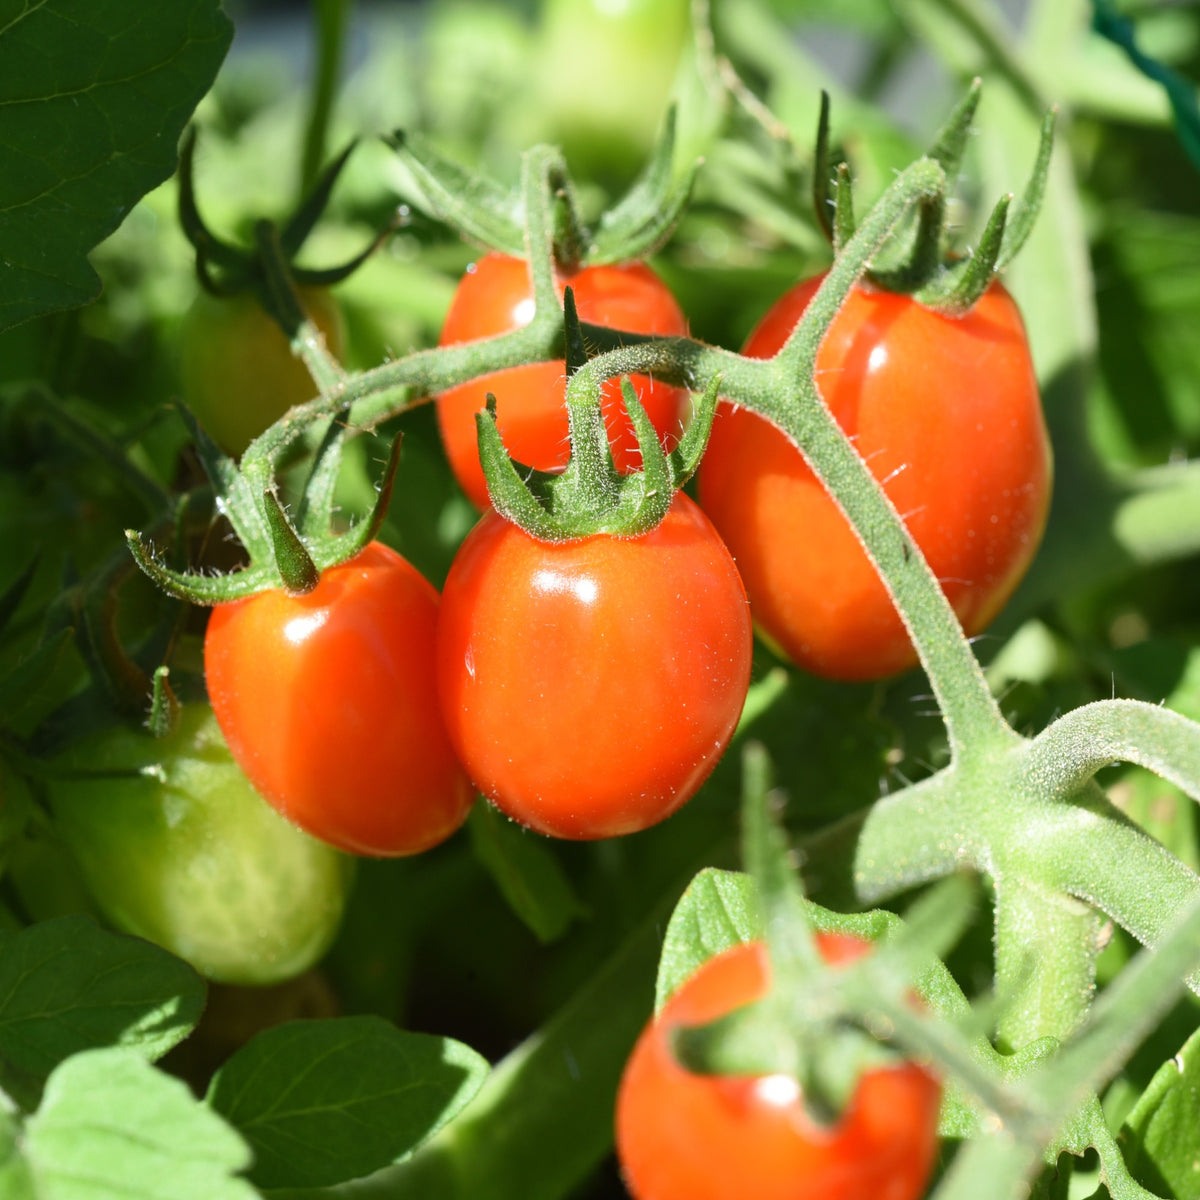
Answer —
683 1136
588 687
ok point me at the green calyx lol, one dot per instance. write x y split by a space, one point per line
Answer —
590 496
497 218
285 552
225 270
921 259
821 1026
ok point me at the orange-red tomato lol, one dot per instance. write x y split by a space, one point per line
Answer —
328 703
495 297
589 687
945 412
682 1136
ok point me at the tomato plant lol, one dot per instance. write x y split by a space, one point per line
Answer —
176 846
328 703
494 297
236 368
945 411
589 687
683 1136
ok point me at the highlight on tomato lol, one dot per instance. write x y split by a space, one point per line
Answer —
590 686
495 296
945 412
328 702
684 1136
237 370
175 846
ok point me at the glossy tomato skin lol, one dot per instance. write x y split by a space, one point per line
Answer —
682 1136
946 413
237 371
495 297
590 687
176 846
328 702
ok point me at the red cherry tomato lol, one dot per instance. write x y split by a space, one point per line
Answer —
328 704
945 412
494 297
682 1136
590 687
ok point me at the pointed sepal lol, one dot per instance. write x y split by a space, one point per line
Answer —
1025 210
164 707
292 559
476 206
961 285
646 216
300 224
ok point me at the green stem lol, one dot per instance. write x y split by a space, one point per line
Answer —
1065 756
1046 947
332 17
974 723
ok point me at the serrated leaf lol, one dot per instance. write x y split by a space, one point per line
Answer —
95 96
322 1102
111 1127
68 986
524 868
1159 1135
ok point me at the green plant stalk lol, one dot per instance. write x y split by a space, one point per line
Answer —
1046 947
332 17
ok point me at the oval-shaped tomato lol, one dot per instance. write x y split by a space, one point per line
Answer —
590 687
495 297
945 412
682 1136
177 847
237 371
328 702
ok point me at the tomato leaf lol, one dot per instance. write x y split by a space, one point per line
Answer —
1158 1136
68 986
718 910
112 1120
525 869
322 1102
95 96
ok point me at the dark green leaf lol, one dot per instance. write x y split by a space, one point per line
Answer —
111 1127
326 1101
95 96
68 986
525 869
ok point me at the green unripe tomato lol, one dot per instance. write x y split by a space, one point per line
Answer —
607 67
177 847
236 368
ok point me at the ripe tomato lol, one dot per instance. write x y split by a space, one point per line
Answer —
237 371
946 414
175 846
327 702
589 687
682 1136
495 297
